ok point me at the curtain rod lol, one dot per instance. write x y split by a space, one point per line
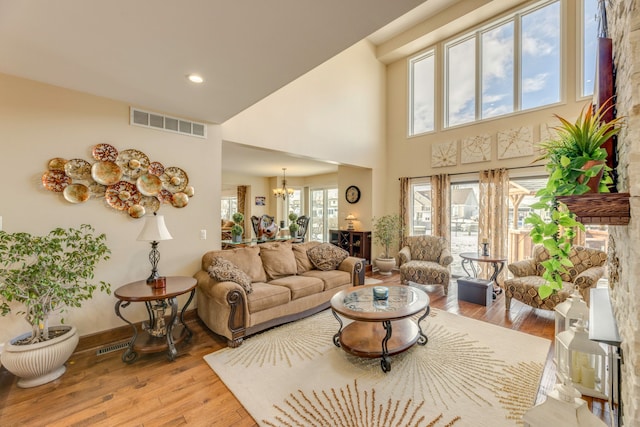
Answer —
467 173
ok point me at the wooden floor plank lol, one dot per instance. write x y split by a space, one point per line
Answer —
152 391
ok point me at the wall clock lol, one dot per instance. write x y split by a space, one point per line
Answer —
352 194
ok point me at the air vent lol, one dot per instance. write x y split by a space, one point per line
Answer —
166 123
112 348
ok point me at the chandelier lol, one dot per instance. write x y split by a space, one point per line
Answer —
283 191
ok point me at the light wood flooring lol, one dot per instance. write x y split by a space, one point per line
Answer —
104 391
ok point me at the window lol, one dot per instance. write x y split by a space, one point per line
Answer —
501 90
228 206
421 79
464 222
420 201
540 57
461 82
589 45
294 204
324 213
510 65
497 70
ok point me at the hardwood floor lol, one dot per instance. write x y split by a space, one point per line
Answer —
104 391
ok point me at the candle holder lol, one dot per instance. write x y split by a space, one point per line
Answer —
380 293
485 249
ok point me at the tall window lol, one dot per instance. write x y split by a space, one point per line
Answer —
421 78
464 222
502 90
294 204
420 201
228 206
540 56
509 65
461 82
324 213
497 70
589 45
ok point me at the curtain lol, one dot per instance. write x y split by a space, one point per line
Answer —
494 214
441 206
242 194
404 208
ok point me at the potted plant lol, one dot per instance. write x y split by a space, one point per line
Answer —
237 229
46 274
386 231
293 225
574 158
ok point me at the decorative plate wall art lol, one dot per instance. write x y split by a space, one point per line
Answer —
127 180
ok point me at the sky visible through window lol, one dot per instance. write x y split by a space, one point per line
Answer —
541 57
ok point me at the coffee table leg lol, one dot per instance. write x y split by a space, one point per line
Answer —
423 339
336 337
385 361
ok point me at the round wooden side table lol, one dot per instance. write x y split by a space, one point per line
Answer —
162 333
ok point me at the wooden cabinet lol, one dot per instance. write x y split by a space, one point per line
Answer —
357 243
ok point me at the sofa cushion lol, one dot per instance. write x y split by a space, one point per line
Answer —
246 259
300 286
332 279
266 296
278 259
224 270
327 256
303 263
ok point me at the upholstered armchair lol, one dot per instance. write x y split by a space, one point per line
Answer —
425 260
588 268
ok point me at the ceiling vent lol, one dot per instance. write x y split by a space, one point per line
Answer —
167 123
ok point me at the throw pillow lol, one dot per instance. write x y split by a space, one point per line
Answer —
278 259
302 259
224 270
327 256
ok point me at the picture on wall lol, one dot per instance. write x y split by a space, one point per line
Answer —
261 201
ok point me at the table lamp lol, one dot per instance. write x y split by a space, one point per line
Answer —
350 218
154 231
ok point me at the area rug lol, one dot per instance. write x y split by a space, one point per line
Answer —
470 373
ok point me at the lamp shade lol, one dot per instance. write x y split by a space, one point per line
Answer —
154 229
351 217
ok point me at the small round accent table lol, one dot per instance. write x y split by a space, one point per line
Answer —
162 334
380 328
497 263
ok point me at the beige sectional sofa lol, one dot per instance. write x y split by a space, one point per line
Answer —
246 290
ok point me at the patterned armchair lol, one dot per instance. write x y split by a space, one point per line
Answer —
425 260
588 268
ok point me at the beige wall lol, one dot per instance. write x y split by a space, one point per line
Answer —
40 122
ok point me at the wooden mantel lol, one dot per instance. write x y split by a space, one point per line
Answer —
599 208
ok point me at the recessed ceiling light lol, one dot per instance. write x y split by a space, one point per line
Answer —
195 78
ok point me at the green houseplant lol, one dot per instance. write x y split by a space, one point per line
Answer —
293 225
237 229
573 158
46 274
387 230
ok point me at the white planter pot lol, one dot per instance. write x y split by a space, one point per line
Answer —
385 265
40 363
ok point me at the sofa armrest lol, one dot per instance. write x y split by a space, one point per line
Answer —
404 255
588 278
445 258
523 268
355 267
229 302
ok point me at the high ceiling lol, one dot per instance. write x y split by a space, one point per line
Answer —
140 51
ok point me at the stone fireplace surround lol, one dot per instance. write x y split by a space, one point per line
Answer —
623 18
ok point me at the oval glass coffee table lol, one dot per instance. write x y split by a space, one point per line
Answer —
380 327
